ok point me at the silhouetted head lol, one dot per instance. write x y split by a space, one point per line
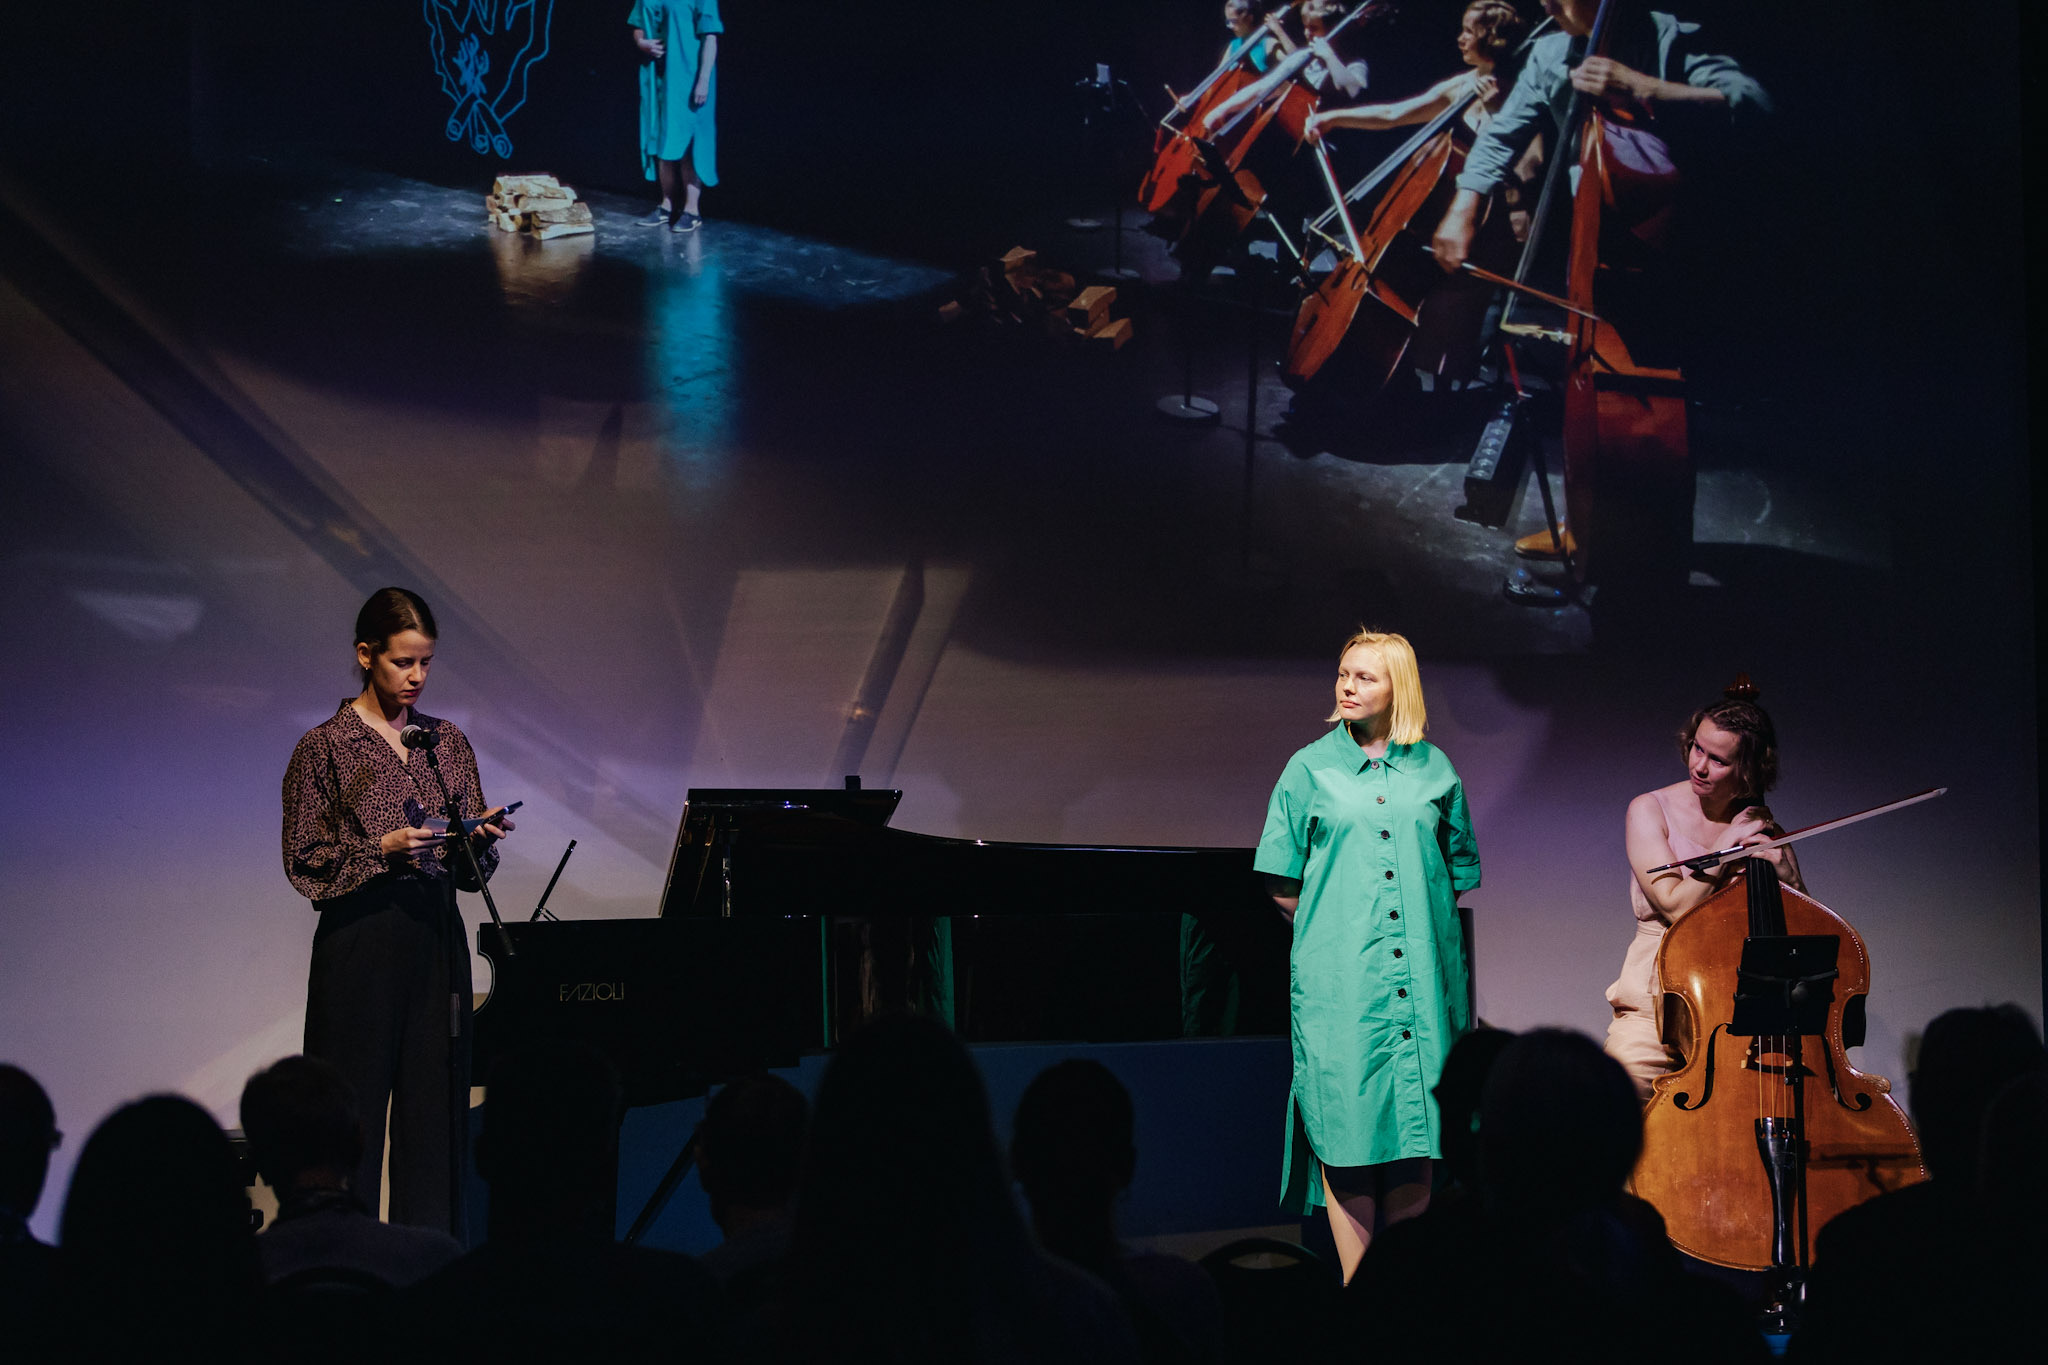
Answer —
1559 1125
156 1225
1072 1139
751 1143
303 1128
550 1136
28 1134
1457 1100
27 1138
1966 1057
2011 1177
902 1177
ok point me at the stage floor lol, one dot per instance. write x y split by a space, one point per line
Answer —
798 402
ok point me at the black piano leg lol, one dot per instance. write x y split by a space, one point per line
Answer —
663 1192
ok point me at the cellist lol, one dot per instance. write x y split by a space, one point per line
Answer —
1445 349
1491 29
1731 761
1315 62
1249 35
1654 71
1690 90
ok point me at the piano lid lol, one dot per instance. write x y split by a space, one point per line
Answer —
775 852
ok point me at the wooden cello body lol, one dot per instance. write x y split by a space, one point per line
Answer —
1175 156
1226 198
1627 459
1703 1164
1369 305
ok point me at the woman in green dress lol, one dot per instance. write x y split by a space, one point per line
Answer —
678 42
1367 847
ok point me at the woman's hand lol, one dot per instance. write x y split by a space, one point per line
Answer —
1753 825
1312 128
495 828
650 47
700 94
407 840
1487 89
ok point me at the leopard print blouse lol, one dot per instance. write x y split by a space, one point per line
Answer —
345 789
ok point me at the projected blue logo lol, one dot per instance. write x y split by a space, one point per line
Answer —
482 52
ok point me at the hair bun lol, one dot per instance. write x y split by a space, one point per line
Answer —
1742 689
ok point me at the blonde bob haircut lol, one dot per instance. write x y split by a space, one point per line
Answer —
1410 718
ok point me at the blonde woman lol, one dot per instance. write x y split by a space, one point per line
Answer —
1367 847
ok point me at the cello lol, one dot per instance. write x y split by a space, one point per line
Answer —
1334 313
1391 266
1767 1130
1229 188
1627 456
1174 153
1628 473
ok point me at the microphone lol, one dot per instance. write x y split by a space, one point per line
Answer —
419 737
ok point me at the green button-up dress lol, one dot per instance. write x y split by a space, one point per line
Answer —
669 127
1379 972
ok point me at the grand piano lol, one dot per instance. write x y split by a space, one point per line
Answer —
791 916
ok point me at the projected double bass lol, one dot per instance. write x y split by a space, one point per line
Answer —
1616 89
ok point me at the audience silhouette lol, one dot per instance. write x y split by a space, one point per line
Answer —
1073 1154
550 1282
1552 1259
1929 1270
157 1255
28 1134
907 1245
1456 1093
888 1232
307 1138
748 1150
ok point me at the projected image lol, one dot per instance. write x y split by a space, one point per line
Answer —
483 51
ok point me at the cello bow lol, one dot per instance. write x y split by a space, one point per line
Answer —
1719 856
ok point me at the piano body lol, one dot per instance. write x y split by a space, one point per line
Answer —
790 916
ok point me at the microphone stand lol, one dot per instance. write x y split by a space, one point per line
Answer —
458 1087
459 831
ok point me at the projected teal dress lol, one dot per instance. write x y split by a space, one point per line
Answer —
669 127
1379 973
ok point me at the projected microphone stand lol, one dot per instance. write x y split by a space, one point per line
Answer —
459 831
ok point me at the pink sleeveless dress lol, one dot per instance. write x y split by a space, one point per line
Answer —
1634 1038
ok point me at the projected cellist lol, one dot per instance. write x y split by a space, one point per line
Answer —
1659 96
1447 331
1248 35
1315 63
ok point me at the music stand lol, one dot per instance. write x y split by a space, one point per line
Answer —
1784 989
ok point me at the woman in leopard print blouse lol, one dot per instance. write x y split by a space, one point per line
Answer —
390 970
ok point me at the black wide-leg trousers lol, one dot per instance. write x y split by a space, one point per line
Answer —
388 1006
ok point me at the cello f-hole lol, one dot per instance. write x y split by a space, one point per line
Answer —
1680 1099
